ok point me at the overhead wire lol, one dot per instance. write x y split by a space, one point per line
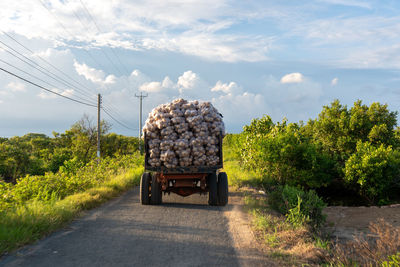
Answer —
89 15
46 89
47 62
116 120
35 77
100 31
107 109
71 35
102 51
113 110
43 70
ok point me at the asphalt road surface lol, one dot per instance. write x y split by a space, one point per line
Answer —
180 232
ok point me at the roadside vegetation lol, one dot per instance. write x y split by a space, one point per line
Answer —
346 156
46 182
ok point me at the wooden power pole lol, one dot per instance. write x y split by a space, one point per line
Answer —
98 126
141 96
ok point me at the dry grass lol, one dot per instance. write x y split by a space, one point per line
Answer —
291 246
368 250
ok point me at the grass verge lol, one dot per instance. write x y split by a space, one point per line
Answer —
36 219
288 244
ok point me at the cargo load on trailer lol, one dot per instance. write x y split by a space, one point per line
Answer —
183 150
184 133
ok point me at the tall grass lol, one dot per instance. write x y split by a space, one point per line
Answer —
232 166
34 219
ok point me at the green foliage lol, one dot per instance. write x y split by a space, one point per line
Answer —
373 171
70 180
339 129
36 154
286 155
295 216
298 206
351 149
34 219
392 261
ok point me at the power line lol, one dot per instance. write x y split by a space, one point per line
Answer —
120 123
100 31
71 35
37 66
102 51
112 107
34 76
48 90
89 15
47 62
116 114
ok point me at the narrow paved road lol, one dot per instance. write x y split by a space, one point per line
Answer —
180 232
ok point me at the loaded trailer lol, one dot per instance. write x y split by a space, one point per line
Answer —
184 181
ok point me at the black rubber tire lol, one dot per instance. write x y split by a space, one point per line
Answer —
212 186
144 188
155 198
222 189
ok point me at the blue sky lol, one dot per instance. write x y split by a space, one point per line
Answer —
249 58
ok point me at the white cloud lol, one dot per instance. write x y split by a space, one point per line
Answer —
4 93
48 95
229 98
334 81
110 79
94 75
295 77
240 109
354 3
189 27
167 83
16 87
230 88
68 92
151 87
188 80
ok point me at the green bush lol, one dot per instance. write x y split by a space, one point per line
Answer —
69 180
373 171
393 261
325 154
298 206
285 154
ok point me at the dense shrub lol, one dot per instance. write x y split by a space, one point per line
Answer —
36 154
285 154
373 171
69 180
297 205
355 150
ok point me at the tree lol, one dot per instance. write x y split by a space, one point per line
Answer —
84 137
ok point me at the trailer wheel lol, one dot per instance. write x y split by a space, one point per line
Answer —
222 189
212 186
155 198
144 188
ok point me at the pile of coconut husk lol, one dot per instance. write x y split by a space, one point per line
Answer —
184 133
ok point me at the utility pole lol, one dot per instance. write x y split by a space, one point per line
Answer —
98 126
141 96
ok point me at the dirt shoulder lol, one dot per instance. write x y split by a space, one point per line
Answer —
346 222
249 250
